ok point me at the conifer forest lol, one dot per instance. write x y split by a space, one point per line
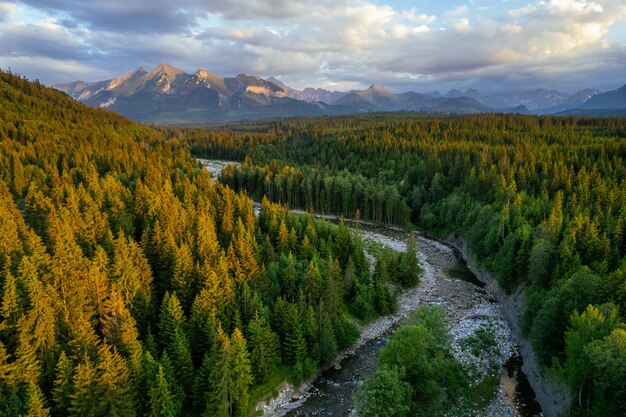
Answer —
133 283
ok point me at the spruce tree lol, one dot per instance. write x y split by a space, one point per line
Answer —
294 345
63 386
263 349
220 395
161 403
114 385
241 371
35 402
87 392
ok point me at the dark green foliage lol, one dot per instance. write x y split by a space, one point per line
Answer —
385 394
552 317
418 375
265 349
408 265
328 342
161 400
607 365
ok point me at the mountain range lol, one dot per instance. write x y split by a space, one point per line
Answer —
169 95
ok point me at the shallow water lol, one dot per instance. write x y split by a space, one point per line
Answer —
518 389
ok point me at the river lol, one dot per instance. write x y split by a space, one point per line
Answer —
446 281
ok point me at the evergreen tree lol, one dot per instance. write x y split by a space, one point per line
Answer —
161 403
220 394
293 343
264 348
63 386
35 403
87 392
116 397
327 341
409 268
241 371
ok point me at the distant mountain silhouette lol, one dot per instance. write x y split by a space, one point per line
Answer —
169 95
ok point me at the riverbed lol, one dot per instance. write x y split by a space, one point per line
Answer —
446 281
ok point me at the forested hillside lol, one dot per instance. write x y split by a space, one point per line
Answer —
541 202
132 285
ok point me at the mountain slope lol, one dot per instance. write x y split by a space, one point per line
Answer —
615 99
308 94
169 95
609 104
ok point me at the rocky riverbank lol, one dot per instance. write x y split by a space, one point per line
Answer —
553 397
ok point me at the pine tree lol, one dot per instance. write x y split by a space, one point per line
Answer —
207 245
264 347
35 403
161 403
119 327
202 324
183 280
294 345
177 392
327 342
6 370
182 362
312 284
202 384
84 340
174 339
171 319
332 286
220 395
282 241
130 270
409 267
291 278
9 310
87 392
98 289
114 385
241 371
63 386
27 363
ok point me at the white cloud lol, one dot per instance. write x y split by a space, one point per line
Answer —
5 9
523 11
457 11
463 25
340 43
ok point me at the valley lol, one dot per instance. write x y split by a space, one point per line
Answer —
134 283
445 281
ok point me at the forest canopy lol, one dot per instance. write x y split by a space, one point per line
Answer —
132 284
541 202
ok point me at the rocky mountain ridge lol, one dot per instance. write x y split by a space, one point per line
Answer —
169 95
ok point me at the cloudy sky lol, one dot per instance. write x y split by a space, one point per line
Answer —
422 45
